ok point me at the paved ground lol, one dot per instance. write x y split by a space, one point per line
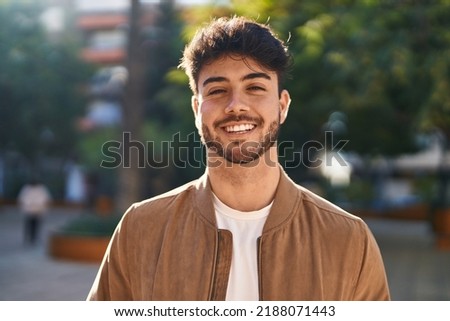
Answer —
416 269
29 273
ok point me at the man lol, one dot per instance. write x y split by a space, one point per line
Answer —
244 230
34 201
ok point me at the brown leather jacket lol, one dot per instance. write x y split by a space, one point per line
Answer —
168 248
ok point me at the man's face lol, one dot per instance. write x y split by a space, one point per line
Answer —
238 108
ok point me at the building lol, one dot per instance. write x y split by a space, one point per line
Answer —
103 27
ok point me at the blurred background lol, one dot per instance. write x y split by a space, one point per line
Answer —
368 128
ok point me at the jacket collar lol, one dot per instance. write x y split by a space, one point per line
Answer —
286 199
204 200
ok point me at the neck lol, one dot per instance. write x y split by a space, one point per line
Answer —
245 187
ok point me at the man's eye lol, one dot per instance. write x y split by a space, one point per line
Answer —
256 88
216 92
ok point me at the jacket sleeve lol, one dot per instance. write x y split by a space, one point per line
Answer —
371 283
112 281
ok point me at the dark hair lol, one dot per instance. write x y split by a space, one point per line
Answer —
236 35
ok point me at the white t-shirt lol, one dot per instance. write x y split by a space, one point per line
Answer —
34 199
246 227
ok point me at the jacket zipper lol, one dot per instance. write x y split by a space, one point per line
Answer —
213 274
260 291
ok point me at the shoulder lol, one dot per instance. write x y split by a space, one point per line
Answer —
160 208
149 222
331 224
322 213
311 200
297 199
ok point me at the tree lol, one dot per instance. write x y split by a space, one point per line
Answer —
371 61
382 64
40 87
152 51
130 181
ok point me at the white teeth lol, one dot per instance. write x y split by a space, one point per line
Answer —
239 128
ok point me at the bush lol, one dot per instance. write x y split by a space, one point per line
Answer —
91 225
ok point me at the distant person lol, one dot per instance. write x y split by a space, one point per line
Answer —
34 201
244 230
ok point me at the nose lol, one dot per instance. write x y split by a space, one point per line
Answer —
236 105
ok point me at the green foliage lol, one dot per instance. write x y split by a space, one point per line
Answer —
40 86
384 64
163 55
368 61
426 188
90 146
91 225
360 193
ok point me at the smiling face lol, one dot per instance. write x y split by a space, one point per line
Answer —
238 108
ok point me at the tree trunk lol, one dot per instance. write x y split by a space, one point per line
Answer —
130 176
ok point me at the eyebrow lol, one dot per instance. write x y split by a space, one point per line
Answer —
256 75
250 76
214 79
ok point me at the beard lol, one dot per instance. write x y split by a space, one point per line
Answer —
241 151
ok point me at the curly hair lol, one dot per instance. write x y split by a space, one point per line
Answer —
235 36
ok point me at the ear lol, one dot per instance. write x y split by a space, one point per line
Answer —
195 108
194 105
285 101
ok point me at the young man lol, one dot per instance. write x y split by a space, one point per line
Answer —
244 230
